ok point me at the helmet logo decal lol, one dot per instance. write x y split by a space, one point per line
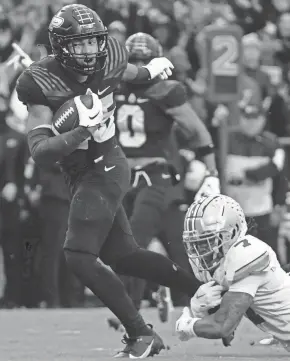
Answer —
56 22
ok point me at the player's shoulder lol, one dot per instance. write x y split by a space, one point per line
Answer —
117 58
169 93
39 80
248 256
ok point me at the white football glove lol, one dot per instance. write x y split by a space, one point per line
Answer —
206 297
161 67
184 325
210 186
89 117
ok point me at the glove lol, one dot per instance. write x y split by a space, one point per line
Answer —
89 117
210 186
184 325
159 67
206 297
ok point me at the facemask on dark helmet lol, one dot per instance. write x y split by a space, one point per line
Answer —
143 47
79 39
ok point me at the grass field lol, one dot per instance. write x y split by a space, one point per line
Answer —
83 335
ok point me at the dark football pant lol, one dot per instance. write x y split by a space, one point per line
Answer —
98 227
146 206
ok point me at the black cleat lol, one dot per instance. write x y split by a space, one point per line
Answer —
141 347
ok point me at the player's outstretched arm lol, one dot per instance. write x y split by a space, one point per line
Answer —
45 148
221 324
158 67
178 108
227 318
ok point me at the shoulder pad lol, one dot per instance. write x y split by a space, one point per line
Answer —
247 256
28 90
41 81
168 93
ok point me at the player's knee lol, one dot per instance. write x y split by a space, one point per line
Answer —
78 262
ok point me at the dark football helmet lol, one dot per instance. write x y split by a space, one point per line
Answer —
70 26
143 47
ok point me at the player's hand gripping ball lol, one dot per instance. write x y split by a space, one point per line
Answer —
84 110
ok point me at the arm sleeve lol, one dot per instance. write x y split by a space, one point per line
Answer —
248 284
47 149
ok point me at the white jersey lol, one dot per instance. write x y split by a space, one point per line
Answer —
251 266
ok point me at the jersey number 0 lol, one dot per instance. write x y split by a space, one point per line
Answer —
131 124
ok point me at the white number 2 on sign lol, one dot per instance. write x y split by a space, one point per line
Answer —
226 63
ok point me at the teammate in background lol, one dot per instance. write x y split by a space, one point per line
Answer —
96 170
144 117
247 269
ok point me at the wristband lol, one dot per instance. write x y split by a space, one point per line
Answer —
211 173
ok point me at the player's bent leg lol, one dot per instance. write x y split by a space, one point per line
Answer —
91 217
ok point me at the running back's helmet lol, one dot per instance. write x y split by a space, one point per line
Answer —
211 226
74 23
143 47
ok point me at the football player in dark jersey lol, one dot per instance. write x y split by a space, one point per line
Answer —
144 117
95 167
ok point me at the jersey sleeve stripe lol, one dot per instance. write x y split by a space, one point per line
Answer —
41 83
257 265
43 80
57 82
114 56
52 83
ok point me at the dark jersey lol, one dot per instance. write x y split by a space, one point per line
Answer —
143 124
47 83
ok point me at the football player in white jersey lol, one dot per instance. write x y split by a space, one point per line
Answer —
246 268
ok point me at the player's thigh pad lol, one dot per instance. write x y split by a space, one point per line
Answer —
120 241
92 211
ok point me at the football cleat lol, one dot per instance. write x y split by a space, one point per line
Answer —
116 324
141 346
163 303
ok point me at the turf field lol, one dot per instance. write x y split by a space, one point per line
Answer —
83 335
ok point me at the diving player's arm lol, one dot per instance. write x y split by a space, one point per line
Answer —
226 319
194 129
44 146
224 322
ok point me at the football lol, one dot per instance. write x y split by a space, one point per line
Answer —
66 117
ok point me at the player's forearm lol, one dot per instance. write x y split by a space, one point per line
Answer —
135 74
209 161
195 131
207 327
46 149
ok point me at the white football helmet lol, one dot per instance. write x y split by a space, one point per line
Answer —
211 226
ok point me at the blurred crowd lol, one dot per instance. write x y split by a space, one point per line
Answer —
34 202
